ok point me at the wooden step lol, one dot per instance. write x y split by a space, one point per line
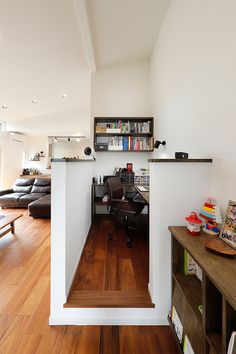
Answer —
85 298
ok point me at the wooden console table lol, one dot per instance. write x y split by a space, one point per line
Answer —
7 223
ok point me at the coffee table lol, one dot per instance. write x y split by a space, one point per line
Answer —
7 223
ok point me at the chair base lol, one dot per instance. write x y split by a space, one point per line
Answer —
127 227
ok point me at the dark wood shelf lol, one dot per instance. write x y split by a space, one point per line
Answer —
180 160
215 341
134 125
216 293
125 134
123 150
191 287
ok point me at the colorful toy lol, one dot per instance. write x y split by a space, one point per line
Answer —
194 224
210 214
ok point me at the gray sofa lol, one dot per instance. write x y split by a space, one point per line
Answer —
26 191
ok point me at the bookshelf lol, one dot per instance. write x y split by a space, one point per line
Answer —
209 332
123 134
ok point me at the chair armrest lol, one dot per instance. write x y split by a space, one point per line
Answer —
6 191
118 200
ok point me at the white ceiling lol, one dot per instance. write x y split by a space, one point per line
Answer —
45 47
124 30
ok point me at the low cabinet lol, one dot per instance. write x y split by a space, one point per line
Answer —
206 307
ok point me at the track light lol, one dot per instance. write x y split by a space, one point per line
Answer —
69 139
158 143
55 139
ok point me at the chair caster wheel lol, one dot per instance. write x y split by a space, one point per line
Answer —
110 237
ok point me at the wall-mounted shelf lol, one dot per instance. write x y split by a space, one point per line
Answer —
37 157
123 134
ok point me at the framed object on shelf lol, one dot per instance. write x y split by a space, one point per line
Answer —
228 230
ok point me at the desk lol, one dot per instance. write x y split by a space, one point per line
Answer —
144 195
98 191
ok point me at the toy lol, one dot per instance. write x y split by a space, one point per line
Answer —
211 216
194 224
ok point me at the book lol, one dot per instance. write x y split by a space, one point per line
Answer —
198 272
232 344
177 324
188 349
189 264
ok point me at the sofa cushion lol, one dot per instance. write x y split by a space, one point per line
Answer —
22 189
41 189
24 181
10 199
28 198
42 185
23 185
42 182
41 208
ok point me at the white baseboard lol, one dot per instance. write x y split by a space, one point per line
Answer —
65 321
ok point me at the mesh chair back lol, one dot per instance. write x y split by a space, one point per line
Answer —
115 188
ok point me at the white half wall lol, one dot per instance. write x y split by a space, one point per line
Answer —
71 218
177 189
184 187
193 87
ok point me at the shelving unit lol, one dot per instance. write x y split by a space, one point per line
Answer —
123 134
210 331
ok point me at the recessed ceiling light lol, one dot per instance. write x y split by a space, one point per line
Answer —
64 95
34 101
4 107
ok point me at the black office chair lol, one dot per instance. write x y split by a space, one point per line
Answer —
124 205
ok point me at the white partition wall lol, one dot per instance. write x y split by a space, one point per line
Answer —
177 188
71 219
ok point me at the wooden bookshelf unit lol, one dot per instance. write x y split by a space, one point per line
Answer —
209 332
123 134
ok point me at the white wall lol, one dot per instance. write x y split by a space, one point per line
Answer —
176 190
35 144
11 160
73 148
121 91
71 218
193 82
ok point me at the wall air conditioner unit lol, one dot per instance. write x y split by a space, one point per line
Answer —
17 137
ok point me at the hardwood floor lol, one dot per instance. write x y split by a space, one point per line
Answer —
109 273
24 305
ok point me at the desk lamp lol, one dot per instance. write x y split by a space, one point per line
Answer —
158 143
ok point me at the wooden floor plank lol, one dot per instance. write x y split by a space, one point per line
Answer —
109 265
109 340
25 299
85 298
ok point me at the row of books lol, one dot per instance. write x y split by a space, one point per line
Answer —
129 143
124 127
